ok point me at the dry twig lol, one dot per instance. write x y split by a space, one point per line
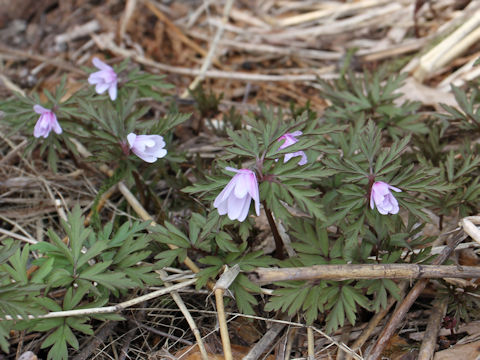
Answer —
362 271
193 326
227 351
468 225
221 285
448 49
310 344
96 340
209 58
373 323
105 309
262 345
127 14
402 310
433 327
181 36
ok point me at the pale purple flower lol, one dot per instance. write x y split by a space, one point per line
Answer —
290 139
46 122
382 197
104 79
149 148
235 199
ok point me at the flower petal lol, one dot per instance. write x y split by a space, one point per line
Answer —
242 185
222 207
236 197
225 193
253 191
131 139
304 159
382 197
394 188
100 64
381 210
41 128
40 109
100 88
145 157
56 126
95 78
112 91
235 206
244 211
144 141
231 169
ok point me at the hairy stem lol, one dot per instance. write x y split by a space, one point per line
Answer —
279 253
140 188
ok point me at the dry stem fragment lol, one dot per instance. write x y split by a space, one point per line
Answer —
434 324
455 44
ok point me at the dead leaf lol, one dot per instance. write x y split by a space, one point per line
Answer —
414 91
28 355
464 352
397 348
245 329
238 352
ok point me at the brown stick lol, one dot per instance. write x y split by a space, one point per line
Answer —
372 324
344 337
209 58
222 323
310 344
186 314
434 323
40 58
402 310
160 333
131 334
96 340
104 42
181 36
265 342
363 271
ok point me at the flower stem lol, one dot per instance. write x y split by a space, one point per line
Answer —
140 188
279 253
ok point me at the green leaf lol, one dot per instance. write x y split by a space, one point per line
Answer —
18 268
97 248
4 335
95 269
43 271
225 243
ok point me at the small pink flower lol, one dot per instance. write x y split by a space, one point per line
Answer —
382 197
290 139
235 199
46 122
104 79
149 148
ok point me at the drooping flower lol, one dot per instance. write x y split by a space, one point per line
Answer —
46 122
235 198
149 148
104 79
290 139
382 197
